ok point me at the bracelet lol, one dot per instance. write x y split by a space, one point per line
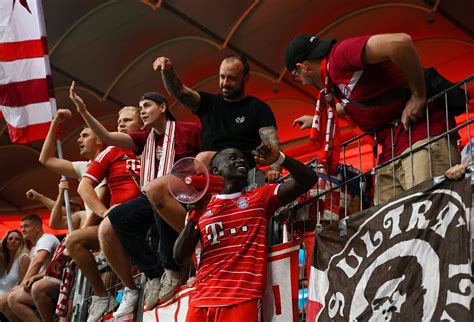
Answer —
281 159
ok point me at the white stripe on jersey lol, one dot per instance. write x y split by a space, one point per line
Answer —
249 218
232 246
232 288
231 214
254 263
102 154
219 255
91 177
206 258
223 297
241 272
240 281
355 79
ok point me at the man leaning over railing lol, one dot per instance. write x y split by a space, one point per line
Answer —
379 81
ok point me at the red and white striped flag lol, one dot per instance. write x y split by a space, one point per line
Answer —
26 92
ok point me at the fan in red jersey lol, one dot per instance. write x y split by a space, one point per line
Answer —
232 231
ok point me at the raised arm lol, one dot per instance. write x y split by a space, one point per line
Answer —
32 194
188 97
399 49
118 139
48 153
303 178
58 220
269 136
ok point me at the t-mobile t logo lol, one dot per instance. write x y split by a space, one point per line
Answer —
213 231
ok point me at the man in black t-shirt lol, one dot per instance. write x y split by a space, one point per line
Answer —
233 123
230 119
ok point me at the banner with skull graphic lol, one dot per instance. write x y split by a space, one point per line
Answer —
406 260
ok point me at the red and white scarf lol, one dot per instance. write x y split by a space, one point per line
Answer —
151 153
65 288
325 128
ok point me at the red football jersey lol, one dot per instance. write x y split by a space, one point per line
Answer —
233 229
360 82
112 164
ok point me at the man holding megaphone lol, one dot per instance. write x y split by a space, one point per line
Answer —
123 233
232 231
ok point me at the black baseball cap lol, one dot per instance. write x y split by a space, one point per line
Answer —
159 99
304 47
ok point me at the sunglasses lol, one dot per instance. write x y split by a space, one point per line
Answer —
295 77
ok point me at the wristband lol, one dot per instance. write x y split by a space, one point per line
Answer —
281 159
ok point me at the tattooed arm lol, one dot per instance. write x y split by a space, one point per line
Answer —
269 136
188 97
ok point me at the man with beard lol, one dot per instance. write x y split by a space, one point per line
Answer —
230 119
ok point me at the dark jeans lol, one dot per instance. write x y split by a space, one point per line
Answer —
131 222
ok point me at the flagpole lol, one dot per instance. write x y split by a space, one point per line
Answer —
66 192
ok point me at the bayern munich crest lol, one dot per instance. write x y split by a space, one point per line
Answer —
242 203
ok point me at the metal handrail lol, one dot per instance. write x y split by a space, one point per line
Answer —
399 157
434 97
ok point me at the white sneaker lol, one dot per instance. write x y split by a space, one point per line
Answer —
152 293
128 303
169 282
100 305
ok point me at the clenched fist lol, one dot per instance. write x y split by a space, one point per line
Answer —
162 63
61 115
266 154
31 194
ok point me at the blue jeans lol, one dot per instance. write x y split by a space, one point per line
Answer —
131 222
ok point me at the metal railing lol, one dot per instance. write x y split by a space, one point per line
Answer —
341 186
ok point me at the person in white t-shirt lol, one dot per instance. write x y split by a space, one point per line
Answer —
89 148
20 300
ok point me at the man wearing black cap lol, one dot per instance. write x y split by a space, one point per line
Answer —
378 80
122 234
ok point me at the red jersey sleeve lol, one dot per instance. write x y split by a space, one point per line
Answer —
347 54
99 168
270 198
139 139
